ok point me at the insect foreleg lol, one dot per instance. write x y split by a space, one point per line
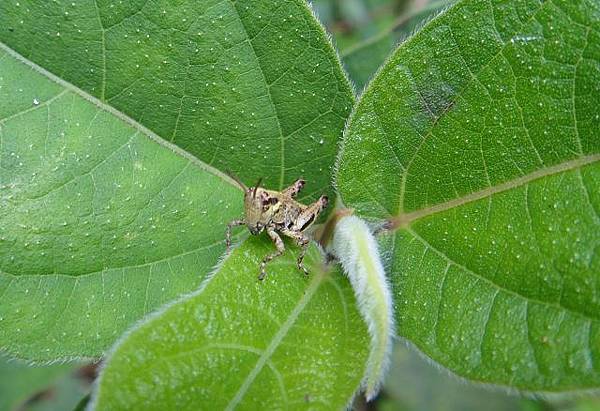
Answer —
280 249
232 224
303 242
294 189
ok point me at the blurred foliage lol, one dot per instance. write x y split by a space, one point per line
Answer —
352 21
416 384
366 31
57 387
413 384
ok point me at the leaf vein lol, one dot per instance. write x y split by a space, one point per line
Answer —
486 322
586 194
404 220
277 339
270 95
490 282
126 119
458 94
35 107
88 172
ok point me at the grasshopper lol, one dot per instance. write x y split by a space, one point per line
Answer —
277 213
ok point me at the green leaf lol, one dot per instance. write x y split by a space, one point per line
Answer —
288 342
250 86
477 145
100 223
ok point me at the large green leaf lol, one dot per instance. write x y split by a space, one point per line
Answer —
101 221
250 86
478 143
288 342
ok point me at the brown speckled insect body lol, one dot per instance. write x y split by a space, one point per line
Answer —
278 213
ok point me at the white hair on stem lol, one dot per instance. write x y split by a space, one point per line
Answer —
354 245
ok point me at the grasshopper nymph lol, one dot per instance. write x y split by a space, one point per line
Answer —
277 213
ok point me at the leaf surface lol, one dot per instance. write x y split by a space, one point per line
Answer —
288 342
252 86
102 222
478 144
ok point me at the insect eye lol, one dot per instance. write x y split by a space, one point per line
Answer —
269 200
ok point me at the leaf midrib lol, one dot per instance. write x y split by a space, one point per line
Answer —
123 267
269 94
120 115
405 220
277 338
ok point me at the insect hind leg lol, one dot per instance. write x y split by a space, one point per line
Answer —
295 188
310 214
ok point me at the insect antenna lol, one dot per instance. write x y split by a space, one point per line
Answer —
237 180
256 187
